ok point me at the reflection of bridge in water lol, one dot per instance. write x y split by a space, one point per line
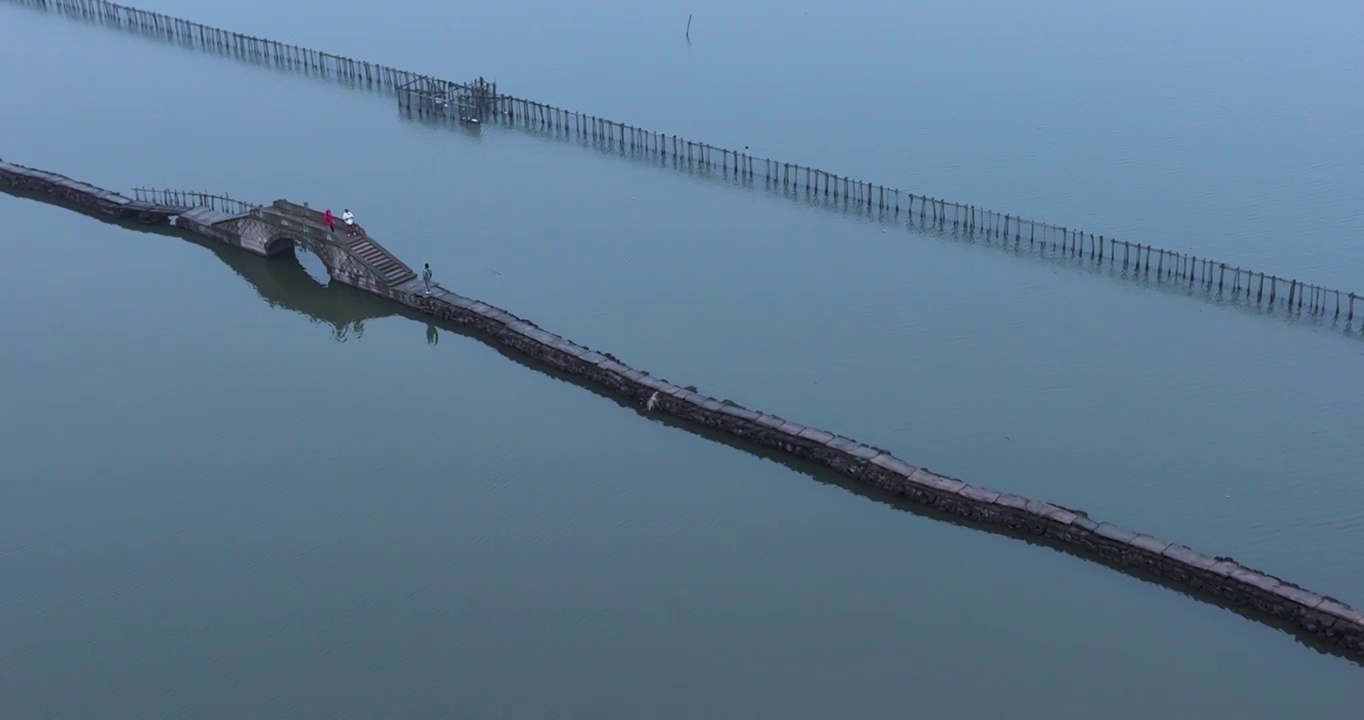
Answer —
285 283
281 281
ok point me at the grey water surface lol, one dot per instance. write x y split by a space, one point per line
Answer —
232 491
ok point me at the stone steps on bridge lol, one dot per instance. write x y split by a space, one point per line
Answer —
390 268
205 216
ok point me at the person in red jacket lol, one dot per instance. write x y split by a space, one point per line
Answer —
327 219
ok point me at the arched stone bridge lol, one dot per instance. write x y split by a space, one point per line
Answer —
351 256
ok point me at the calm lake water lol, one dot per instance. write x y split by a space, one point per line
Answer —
220 504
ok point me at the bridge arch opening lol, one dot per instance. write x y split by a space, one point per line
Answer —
311 262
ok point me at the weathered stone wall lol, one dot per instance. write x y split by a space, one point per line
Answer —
247 233
368 283
74 192
1323 617
216 232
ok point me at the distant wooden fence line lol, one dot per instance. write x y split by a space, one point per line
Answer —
937 214
249 48
1245 285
